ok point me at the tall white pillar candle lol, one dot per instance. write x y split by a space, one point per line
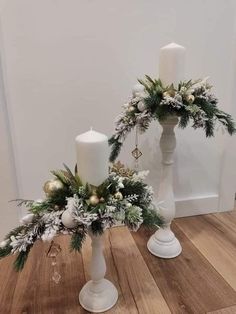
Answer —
172 64
92 157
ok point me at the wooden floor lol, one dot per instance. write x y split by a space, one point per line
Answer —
201 280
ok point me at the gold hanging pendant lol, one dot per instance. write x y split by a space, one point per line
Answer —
136 153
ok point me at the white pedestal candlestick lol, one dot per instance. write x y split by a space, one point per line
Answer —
164 243
99 294
171 71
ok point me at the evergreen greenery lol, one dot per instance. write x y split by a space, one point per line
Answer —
122 198
77 240
191 101
21 259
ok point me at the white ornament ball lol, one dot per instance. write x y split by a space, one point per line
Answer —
141 106
3 244
68 220
138 90
27 219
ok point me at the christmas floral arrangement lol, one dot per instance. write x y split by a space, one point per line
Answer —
191 101
73 208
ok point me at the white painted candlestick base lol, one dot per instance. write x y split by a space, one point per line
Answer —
164 243
99 294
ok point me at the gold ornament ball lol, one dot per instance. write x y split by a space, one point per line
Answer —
119 196
131 109
190 98
169 93
52 186
94 200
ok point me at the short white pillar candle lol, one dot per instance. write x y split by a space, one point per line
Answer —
92 157
172 64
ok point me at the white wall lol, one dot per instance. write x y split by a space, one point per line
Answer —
8 188
71 64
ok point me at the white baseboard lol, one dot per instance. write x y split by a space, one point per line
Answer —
197 206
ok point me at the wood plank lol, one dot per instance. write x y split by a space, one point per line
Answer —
216 240
188 282
138 292
227 310
228 219
8 279
35 291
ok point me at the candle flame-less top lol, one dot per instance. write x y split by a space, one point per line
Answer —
172 64
92 157
91 136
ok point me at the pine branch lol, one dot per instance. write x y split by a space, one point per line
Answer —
58 198
227 121
207 107
115 150
77 240
5 251
209 128
133 187
184 120
103 190
43 206
21 202
21 259
14 232
97 227
151 218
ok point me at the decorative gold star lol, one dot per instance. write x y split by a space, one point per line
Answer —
121 170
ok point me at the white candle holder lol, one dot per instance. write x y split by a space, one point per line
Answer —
98 294
164 243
